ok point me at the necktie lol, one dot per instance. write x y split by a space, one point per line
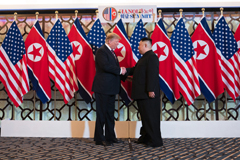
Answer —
113 54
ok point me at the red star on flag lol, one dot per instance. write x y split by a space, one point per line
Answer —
160 51
35 52
200 49
117 51
75 49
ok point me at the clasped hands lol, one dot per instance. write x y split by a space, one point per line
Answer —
124 70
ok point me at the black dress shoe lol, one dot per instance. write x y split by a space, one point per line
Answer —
154 145
139 142
99 143
116 141
108 143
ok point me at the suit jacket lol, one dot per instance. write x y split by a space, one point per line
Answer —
145 76
107 78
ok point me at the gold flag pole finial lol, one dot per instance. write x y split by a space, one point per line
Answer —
134 16
139 14
153 15
96 13
56 12
160 13
221 9
180 10
37 13
203 12
119 14
15 16
76 13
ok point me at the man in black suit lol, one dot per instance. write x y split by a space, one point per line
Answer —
146 91
106 85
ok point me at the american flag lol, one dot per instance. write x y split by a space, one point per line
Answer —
85 65
96 36
36 48
13 66
167 71
227 50
185 63
61 62
209 70
138 33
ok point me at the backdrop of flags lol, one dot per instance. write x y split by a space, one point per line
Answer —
208 67
167 71
125 57
183 51
193 62
61 62
13 66
37 62
227 50
85 65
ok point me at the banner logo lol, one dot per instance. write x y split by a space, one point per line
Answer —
109 14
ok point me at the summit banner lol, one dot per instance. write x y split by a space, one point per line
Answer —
109 14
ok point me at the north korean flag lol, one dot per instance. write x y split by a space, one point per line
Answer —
208 67
84 61
37 63
167 71
125 57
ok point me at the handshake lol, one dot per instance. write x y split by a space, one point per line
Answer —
123 70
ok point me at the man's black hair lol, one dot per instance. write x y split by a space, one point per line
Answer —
147 39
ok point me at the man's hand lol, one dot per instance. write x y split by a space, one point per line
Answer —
129 78
123 70
151 94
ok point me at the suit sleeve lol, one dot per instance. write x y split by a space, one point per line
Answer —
152 73
105 64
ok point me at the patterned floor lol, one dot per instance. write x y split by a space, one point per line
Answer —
72 148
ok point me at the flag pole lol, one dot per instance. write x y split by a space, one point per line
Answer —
96 14
205 109
119 14
134 17
118 108
76 13
13 110
34 92
56 14
37 13
160 13
15 16
205 101
203 12
75 97
225 93
75 94
161 96
139 14
221 9
153 17
180 10
55 89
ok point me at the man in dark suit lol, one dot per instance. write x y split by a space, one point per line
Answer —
146 91
106 85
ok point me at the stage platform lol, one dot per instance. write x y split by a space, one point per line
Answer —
124 129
